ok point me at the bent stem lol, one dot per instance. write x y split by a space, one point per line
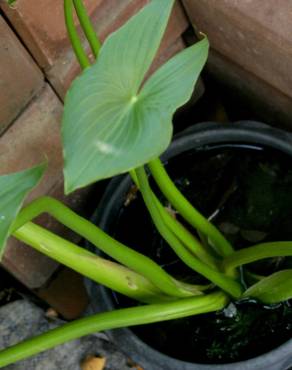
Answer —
116 319
226 283
107 273
189 240
186 210
255 253
118 251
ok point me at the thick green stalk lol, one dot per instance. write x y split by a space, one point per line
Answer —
107 273
87 27
118 251
186 210
255 253
189 240
73 35
115 319
226 283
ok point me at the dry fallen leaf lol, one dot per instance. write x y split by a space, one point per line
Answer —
93 363
133 365
51 313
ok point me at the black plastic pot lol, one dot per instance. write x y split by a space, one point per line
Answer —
198 136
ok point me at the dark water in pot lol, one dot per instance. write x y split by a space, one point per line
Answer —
246 192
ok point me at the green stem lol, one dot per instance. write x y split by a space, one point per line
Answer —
204 241
109 320
118 251
255 253
185 208
107 273
189 240
224 282
252 278
73 35
87 27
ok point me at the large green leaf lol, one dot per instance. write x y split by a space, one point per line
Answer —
272 289
111 123
13 189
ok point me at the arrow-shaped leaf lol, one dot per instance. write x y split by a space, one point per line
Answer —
272 289
13 190
111 123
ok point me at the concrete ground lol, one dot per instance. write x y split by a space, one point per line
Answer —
22 319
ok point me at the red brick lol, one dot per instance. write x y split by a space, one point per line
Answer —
34 136
43 30
27 265
260 99
254 34
66 294
46 36
166 53
20 78
42 27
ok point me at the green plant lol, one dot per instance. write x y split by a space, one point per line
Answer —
117 121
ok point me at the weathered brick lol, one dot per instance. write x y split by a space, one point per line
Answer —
254 34
165 53
47 39
27 265
34 137
66 294
260 99
20 78
42 27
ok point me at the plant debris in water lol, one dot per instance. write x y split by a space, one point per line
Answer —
246 192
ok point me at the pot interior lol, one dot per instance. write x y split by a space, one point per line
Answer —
246 191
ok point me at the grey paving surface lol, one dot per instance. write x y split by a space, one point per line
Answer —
22 319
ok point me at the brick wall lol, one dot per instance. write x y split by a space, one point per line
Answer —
251 50
37 66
